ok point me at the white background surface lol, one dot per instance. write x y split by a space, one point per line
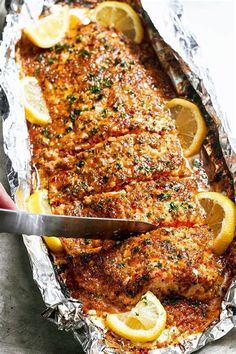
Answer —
214 24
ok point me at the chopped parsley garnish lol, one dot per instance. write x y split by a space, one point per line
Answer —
173 207
163 196
117 61
196 163
78 39
147 242
95 89
51 61
60 47
77 111
81 163
94 131
72 117
136 249
104 112
69 129
84 53
39 57
119 166
107 82
71 98
158 265
149 214
120 265
46 133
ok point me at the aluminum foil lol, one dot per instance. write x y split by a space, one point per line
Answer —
178 52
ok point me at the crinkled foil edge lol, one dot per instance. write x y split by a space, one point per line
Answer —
64 311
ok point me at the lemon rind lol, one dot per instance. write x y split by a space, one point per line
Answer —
130 11
42 43
225 237
195 147
139 335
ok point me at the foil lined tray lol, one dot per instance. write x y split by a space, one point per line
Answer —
178 52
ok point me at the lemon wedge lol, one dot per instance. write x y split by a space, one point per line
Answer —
49 30
78 16
221 217
144 323
38 203
122 17
35 106
189 123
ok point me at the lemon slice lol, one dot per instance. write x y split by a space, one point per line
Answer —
38 203
35 106
122 16
221 217
145 322
49 30
190 125
78 16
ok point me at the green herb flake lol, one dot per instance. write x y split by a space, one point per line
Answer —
147 242
72 117
39 57
104 112
77 111
136 249
119 166
117 61
120 265
81 163
107 82
94 89
60 47
69 129
94 131
158 265
173 208
71 98
163 196
78 39
46 133
51 61
196 163
84 53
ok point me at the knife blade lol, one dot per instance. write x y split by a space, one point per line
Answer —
20 222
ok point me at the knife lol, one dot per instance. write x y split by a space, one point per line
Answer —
70 226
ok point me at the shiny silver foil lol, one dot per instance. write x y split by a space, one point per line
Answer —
177 50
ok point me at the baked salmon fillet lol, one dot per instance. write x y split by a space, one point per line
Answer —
112 150
165 202
166 261
96 85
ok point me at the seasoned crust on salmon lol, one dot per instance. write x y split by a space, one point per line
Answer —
117 161
166 202
96 84
165 261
